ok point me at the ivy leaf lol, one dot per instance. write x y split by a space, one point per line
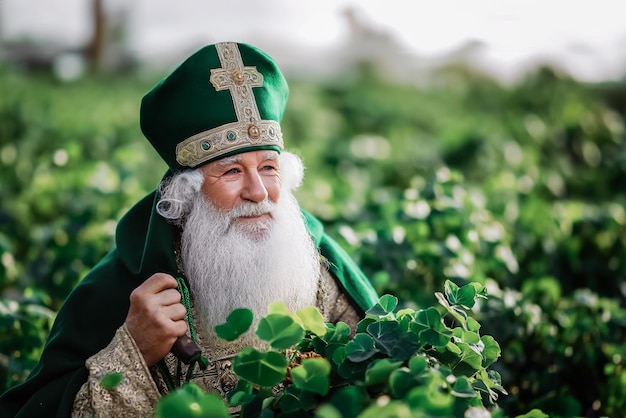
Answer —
281 331
385 305
312 375
360 348
263 369
237 323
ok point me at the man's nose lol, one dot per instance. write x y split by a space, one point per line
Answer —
254 189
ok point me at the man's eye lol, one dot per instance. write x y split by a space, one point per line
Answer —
268 168
232 171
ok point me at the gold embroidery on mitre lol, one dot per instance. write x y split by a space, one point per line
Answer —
249 130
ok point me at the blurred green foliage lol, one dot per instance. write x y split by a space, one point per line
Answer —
519 187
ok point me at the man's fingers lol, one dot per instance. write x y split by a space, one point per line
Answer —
168 297
175 312
155 285
159 282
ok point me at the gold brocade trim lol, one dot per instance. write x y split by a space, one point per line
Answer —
224 139
249 130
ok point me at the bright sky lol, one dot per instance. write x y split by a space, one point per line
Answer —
588 36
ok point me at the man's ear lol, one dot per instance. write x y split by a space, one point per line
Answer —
291 170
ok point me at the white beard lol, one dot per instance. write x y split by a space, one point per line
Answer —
233 265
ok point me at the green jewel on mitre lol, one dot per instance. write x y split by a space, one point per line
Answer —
224 99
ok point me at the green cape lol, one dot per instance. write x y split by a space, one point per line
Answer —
98 306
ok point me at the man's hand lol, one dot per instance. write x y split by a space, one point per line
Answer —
156 316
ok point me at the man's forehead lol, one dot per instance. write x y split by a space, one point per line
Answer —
237 158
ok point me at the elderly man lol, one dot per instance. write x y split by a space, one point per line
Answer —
223 230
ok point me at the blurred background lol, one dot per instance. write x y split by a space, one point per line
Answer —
464 140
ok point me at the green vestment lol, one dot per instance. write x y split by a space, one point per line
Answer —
97 307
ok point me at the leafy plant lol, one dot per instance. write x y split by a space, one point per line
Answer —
397 362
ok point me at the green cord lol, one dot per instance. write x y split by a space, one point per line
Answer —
202 362
186 301
167 377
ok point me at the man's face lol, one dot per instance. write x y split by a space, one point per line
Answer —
247 177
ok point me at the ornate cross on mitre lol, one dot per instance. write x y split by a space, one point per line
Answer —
239 80
249 130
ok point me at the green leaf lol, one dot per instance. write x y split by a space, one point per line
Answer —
263 369
431 399
473 325
110 380
456 313
407 345
385 305
385 334
379 370
469 361
468 337
534 413
281 331
400 382
425 319
312 375
337 353
418 364
297 401
462 388
340 334
453 348
491 350
350 400
393 409
191 401
434 338
430 328
465 296
481 290
327 411
312 320
360 348
450 289
237 323
278 307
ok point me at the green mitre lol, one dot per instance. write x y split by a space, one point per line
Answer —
224 99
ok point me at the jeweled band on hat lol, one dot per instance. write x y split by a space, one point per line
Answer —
225 99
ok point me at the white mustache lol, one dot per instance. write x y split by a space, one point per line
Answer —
249 209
